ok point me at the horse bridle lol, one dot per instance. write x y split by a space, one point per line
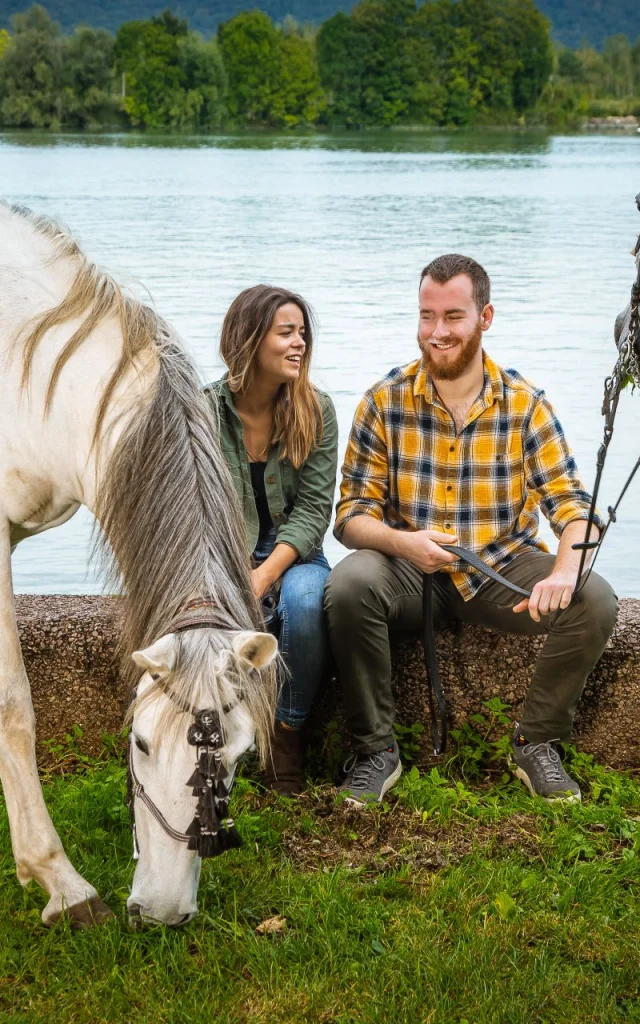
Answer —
626 369
211 831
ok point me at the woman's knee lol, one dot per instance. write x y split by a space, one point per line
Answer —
302 597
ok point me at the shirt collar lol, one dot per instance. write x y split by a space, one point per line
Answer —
223 389
492 389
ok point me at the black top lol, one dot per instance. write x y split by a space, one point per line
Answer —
260 494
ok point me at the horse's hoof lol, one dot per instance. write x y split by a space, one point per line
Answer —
87 914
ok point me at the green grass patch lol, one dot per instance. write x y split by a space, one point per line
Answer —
461 900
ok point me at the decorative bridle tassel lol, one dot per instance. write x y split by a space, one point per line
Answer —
211 832
233 838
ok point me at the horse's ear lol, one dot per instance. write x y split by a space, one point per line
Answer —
255 650
158 659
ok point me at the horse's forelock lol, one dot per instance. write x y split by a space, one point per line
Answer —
209 674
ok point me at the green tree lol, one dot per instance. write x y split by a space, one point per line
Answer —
30 71
531 42
147 55
364 62
618 56
635 58
251 52
299 98
428 53
171 77
570 65
87 79
340 51
5 39
204 84
446 59
387 75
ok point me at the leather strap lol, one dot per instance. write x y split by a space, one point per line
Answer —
472 559
437 703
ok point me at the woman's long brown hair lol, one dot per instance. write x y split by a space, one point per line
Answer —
297 423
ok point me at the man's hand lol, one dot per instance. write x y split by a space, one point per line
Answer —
422 548
550 594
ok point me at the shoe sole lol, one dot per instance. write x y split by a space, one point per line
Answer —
573 798
388 783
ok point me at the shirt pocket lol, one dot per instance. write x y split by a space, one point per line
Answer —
509 482
231 458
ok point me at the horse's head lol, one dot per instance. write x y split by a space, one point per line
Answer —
623 320
202 699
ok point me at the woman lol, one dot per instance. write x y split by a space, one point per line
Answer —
279 436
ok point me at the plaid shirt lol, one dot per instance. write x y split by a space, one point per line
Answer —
406 466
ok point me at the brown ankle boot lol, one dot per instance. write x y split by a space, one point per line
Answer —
283 770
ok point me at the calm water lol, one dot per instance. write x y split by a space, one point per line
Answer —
349 222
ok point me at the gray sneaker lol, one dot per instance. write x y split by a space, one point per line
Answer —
370 776
540 768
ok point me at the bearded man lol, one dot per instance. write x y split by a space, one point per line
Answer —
452 449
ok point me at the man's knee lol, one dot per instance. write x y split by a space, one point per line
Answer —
350 581
597 607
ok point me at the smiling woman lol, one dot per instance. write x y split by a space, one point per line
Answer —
279 435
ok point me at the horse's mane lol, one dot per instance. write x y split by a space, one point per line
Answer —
93 298
172 530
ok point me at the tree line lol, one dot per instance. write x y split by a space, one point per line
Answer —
389 62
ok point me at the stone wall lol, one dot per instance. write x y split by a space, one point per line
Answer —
69 644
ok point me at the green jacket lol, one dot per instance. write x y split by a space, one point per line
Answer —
300 500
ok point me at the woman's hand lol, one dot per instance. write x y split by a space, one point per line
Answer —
270 571
260 582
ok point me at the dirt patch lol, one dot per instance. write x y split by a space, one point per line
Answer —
324 834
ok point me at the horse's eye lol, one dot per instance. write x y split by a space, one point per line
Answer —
141 744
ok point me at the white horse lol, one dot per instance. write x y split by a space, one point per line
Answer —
99 405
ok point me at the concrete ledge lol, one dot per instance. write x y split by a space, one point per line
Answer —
69 642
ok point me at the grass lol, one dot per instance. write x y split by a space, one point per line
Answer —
459 901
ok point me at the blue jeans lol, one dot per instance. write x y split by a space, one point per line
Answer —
303 640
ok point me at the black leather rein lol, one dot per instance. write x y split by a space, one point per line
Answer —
437 703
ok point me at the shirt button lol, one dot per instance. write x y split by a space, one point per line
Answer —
271 479
449 488
452 448
447 526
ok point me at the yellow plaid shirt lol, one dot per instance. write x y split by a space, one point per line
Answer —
406 466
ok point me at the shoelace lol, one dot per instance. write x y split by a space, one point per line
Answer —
361 767
547 758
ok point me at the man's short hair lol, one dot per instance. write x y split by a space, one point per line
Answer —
443 268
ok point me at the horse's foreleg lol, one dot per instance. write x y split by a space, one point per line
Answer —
38 852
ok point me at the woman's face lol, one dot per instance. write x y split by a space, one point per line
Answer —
281 351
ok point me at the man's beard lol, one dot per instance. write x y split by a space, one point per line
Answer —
456 367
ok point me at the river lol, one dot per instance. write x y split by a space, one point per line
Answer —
349 221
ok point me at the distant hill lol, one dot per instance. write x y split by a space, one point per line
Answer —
574 21
200 14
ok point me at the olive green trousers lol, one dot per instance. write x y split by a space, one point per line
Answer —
369 594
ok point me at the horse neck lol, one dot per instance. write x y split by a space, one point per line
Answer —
58 445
